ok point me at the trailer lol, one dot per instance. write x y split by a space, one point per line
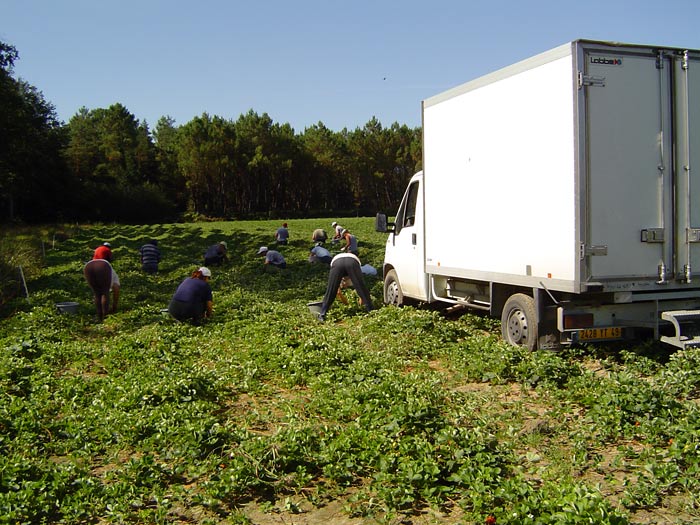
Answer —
557 194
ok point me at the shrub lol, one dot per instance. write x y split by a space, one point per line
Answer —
16 253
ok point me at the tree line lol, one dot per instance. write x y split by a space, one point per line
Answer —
107 165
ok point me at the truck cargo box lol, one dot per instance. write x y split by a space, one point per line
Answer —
572 167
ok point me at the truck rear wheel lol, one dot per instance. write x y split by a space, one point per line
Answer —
392 289
519 321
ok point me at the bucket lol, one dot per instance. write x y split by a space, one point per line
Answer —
68 307
315 307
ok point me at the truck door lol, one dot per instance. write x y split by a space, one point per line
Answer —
406 244
686 75
630 174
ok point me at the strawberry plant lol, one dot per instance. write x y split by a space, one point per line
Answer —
263 411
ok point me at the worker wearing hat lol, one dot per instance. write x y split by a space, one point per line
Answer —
103 252
350 242
272 258
193 299
337 229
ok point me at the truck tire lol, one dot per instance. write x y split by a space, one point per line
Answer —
392 289
519 321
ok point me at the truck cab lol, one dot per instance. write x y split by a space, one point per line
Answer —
405 278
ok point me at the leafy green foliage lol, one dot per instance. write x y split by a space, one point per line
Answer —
33 178
141 419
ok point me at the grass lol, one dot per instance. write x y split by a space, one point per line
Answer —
263 415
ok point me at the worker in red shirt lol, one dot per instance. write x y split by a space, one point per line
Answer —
103 252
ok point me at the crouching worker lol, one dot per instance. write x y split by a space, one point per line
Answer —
102 279
193 298
320 254
345 265
150 256
272 258
319 236
216 254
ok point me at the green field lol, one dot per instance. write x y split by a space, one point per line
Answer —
263 415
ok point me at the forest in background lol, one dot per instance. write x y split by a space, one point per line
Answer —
107 165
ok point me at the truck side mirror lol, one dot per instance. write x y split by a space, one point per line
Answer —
381 225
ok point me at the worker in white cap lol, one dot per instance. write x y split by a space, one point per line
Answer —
337 230
193 299
272 258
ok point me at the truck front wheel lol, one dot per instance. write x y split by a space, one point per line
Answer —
519 321
392 289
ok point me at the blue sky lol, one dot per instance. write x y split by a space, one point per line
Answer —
302 61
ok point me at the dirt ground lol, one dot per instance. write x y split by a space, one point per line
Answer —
334 514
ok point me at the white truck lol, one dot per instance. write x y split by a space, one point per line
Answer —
557 194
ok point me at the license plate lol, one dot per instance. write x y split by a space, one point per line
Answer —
597 334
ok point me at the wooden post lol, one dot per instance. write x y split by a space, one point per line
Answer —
24 283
